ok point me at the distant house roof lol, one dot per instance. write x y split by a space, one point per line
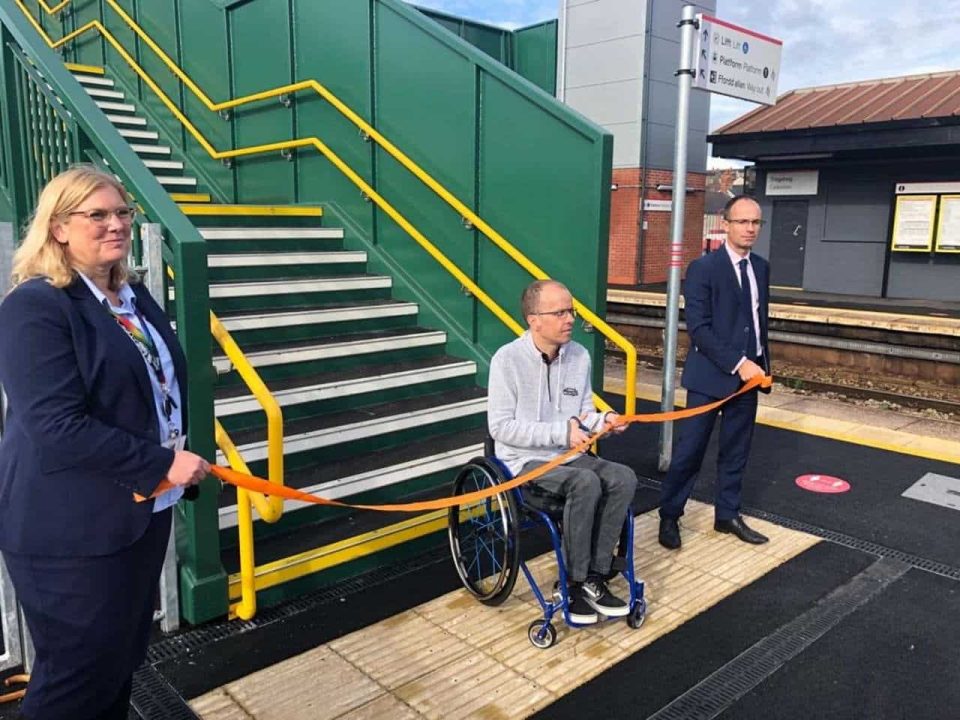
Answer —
913 97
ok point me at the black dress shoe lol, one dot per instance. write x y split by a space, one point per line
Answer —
738 527
669 535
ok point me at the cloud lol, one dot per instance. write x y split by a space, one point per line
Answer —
827 42
509 14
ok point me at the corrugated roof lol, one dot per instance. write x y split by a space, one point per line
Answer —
900 98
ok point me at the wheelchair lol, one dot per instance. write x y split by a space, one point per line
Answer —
485 545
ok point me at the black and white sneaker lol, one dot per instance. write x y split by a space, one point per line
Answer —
599 597
578 609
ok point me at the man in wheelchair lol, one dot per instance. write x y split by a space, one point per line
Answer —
540 404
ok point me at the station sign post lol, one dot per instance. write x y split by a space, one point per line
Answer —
718 57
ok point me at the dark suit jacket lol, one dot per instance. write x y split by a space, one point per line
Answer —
82 430
717 320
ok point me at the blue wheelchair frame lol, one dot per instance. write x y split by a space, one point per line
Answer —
541 632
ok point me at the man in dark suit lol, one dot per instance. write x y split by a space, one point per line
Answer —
726 295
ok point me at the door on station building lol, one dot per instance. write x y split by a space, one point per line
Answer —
788 237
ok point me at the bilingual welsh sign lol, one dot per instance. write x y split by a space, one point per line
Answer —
732 60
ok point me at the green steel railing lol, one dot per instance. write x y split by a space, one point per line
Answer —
49 123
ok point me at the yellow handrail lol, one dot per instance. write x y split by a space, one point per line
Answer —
270 509
247 607
465 212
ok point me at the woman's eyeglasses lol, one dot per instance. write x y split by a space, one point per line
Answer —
123 214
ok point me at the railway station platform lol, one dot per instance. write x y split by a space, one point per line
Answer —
931 318
849 611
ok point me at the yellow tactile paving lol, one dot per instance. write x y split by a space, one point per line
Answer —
473 685
397 650
454 657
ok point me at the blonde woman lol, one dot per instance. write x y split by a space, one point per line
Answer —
96 383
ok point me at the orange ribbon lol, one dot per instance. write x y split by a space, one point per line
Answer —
256 484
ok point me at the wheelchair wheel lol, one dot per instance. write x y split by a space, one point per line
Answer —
638 613
485 535
542 634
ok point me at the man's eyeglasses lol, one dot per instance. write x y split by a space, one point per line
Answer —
559 314
124 214
744 223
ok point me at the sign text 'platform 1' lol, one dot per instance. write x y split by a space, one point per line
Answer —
732 60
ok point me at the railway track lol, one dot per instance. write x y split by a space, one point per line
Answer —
862 364
820 387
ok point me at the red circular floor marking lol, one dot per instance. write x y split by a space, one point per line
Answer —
822 484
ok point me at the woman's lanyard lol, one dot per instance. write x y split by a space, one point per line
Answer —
143 340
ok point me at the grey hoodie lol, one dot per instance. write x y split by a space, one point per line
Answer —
530 403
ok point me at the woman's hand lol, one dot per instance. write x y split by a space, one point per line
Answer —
188 469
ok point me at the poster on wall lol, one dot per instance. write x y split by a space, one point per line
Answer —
913 223
948 229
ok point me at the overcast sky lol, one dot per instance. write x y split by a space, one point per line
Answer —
824 41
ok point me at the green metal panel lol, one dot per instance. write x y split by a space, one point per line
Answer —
426 101
89 48
543 185
203 35
340 60
535 54
254 28
494 41
159 19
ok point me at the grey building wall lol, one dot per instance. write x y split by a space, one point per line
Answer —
848 233
616 64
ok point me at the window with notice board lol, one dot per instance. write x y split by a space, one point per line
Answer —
926 218
948 226
913 223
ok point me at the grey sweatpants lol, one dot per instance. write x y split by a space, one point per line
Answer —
597 494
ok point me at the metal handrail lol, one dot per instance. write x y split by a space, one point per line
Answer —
247 607
270 509
369 131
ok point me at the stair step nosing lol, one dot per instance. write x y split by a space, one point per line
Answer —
98 92
314 317
115 106
347 388
371 480
139 134
273 259
163 164
127 120
286 287
364 429
210 233
265 358
85 79
150 149
175 180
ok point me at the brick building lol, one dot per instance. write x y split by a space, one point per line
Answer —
616 65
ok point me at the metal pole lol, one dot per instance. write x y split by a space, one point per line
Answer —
684 82
151 239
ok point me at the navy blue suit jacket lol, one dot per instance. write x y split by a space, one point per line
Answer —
716 322
82 431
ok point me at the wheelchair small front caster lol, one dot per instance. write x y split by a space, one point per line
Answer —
638 613
542 634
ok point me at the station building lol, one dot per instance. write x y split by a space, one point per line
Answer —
860 185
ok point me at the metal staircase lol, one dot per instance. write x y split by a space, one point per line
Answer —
373 406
